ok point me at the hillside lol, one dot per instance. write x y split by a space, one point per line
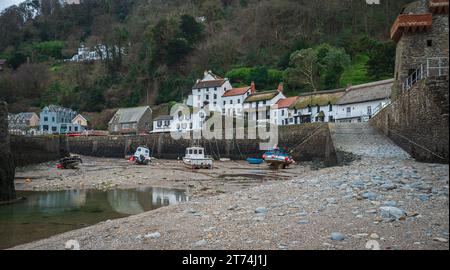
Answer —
168 44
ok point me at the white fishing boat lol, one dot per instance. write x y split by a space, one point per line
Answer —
195 158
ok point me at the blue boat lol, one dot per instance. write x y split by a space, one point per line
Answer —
255 161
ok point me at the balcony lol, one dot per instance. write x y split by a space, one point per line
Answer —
411 23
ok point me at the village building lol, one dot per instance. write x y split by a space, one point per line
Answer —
99 52
58 120
131 121
162 123
258 106
282 113
82 121
233 100
421 32
360 103
26 123
315 107
208 92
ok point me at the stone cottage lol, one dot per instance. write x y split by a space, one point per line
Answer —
131 121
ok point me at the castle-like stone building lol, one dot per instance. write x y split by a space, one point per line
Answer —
421 33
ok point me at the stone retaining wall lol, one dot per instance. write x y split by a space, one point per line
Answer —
418 120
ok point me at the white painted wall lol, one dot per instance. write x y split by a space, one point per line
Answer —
358 111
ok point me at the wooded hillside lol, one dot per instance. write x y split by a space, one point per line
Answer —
169 43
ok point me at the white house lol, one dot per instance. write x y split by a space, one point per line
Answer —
258 103
233 100
162 124
99 52
315 107
282 114
209 91
361 102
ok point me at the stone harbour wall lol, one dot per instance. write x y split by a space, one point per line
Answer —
33 150
418 120
308 142
7 168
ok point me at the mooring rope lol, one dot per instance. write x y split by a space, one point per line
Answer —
423 147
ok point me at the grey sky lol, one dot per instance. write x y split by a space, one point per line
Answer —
6 3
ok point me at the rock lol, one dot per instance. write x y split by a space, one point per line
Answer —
389 186
390 203
232 208
154 235
201 243
369 196
440 239
337 236
303 222
424 197
261 210
374 236
389 212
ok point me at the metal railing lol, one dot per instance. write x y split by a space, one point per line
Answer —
435 66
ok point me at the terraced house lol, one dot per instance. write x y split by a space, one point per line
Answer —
58 120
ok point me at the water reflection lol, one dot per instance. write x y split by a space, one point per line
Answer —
44 214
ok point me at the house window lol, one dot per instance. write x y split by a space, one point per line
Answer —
349 109
54 129
330 107
264 102
207 96
309 109
215 88
318 109
231 102
46 119
282 112
166 123
159 123
369 110
45 127
53 119
215 96
429 43
76 128
224 102
239 101
223 111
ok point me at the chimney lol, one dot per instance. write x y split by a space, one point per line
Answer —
281 88
253 88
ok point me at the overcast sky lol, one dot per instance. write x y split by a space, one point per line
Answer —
6 3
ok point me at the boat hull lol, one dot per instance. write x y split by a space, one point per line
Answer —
205 163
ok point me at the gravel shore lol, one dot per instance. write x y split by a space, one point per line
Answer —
302 213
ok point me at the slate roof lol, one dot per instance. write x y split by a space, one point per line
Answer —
367 92
163 118
321 98
209 84
129 115
262 96
236 91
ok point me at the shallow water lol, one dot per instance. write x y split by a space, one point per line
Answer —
45 214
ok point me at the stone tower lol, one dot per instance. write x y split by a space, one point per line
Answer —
421 33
